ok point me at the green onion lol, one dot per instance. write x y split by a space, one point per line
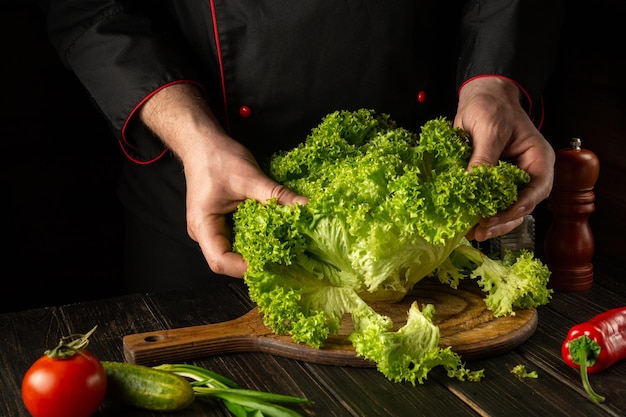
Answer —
240 402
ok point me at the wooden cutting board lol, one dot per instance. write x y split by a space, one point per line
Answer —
465 323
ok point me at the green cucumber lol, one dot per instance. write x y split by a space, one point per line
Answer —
146 388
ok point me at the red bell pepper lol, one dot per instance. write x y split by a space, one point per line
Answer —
595 345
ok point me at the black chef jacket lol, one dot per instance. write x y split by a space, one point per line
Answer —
271 69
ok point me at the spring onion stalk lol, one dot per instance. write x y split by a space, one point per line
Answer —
239 401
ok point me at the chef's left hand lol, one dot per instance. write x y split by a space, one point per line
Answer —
489 110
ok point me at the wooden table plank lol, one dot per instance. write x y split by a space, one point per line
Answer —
611 277
224 300
581 306
366 392
501 393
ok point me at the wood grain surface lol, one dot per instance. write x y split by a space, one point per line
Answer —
461 314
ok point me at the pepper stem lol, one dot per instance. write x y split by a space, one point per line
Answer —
582 361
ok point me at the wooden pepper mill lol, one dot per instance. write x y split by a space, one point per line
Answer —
569 243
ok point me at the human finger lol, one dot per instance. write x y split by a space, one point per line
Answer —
481 233
214 237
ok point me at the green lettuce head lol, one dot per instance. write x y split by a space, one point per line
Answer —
386 209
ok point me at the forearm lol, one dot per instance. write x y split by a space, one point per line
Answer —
179 116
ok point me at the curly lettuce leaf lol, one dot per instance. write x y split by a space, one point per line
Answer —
519 280
410 353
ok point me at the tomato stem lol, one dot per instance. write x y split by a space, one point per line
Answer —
70 345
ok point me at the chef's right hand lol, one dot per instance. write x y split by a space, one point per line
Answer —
220 173
216 183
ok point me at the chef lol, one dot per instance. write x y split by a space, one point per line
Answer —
199 93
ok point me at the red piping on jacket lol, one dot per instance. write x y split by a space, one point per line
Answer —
530 103
221 65
125 143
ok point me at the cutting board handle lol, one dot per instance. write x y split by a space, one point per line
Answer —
243 334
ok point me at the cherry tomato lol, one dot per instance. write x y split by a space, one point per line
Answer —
65 382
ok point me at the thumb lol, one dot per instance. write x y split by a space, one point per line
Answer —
259 186
486 149
480 157
285 196
486 146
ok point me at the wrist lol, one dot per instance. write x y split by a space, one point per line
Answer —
499 87
179 116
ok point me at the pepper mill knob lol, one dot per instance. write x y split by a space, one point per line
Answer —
569 243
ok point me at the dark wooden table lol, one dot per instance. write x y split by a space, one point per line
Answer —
336 391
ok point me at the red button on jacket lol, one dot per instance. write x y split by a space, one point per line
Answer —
245 112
